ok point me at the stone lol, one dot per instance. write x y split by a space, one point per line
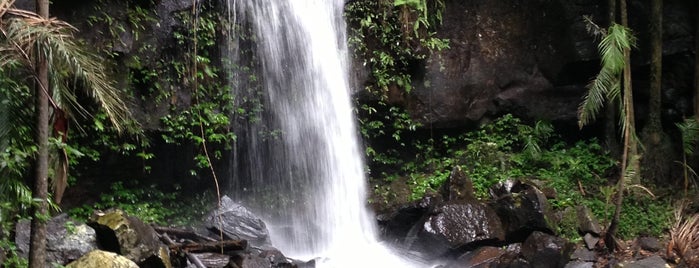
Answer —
587 222
579 264
583 254
544 250
590 241
481 257
401 225
117 232
649 243
452 226
238 223
66 240
99 258
650 262
522 208
251 261
457 187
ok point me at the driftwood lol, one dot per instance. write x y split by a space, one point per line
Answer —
218 246
197 246
200 252
186 234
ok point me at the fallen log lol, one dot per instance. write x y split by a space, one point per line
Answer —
181 233
218 246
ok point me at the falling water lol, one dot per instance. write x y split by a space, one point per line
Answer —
297 160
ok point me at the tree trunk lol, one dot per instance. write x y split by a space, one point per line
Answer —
696 68
610 123
630 150
656 63
658 155
37 249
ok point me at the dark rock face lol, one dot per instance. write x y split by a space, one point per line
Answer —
532 59
237 222
502 57
66 240
522 209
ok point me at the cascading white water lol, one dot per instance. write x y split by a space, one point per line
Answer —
299 162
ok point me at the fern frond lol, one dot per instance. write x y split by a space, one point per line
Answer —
690 134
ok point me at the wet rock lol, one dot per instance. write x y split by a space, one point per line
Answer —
583 254
99 258
544 250
587 222
457 187
522 209
130 237
452 226
479 258
649 243
237 223
590 241
252 261
401 226
650 262
212 260
579 264
66 240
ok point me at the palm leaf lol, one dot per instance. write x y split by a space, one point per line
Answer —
606 85
79 69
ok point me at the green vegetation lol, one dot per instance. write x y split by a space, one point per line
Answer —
150 204
509 149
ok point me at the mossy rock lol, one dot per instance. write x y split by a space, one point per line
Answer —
105 259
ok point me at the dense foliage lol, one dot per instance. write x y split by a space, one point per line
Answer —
509 149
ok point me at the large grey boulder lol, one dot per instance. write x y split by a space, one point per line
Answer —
237 222
66 240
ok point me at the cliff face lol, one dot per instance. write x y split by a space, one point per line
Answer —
530 58
534 59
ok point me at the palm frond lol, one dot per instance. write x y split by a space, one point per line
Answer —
606 85
53 39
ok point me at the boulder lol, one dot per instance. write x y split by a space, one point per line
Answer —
522 208
649 243
457 187
66 240
452 226
587 222
237 222
130 237
480 258
99 258
544 250
650 262
401 225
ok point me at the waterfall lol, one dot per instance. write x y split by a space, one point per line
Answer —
297 161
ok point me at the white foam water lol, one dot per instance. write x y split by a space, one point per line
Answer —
301 162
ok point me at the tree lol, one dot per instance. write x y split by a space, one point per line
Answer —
615 50
58 66
696 69
659 151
